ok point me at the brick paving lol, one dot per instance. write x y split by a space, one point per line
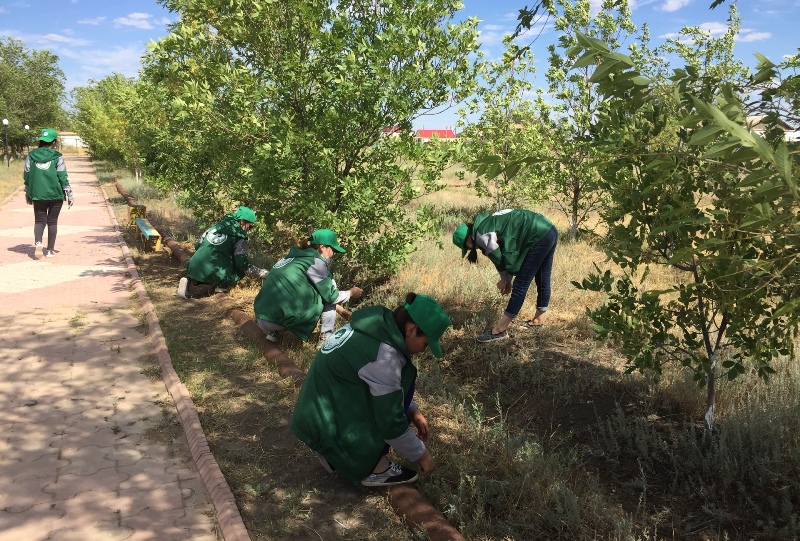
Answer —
81 453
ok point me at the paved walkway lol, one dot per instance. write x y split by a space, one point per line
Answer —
82 453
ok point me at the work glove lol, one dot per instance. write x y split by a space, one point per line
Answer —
70 200
262 273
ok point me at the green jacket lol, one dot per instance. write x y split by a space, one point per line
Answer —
506 236
355 398
221 254
295 290
45 175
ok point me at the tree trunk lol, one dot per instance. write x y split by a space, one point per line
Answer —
708 418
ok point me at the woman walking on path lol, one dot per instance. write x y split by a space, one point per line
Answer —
299 290
46 187
521 244
357 399
220 259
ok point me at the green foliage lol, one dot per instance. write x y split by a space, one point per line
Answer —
31 91
717 203
109 114
508 127
283 108
565 159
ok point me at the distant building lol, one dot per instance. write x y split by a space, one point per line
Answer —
756 124
423 136
392 132
70 140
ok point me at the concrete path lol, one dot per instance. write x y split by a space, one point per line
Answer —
83 453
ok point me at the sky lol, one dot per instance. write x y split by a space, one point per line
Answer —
95 38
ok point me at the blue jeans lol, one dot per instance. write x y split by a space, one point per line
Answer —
538 264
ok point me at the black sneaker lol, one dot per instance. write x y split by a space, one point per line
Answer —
395 474
489 336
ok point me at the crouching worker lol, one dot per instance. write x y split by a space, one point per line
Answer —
220 257
300 291
357 399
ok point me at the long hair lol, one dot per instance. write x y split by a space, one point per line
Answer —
472 256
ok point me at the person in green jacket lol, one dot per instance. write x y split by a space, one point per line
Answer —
356 401
46 188
521 244
220 258
299 290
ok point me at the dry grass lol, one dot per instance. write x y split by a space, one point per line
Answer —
10 178
541 436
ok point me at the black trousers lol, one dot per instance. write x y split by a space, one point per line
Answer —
46 213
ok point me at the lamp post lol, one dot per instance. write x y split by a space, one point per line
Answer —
8 158
27 142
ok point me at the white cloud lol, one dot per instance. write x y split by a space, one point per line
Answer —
715 29
674 5
490 38
48 40
94 22
493 27
753 36
136 19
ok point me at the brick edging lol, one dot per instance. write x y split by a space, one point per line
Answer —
228 517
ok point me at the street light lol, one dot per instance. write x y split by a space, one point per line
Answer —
8 158
27 144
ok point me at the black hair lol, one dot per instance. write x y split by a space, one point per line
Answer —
402 317
472 256
45 144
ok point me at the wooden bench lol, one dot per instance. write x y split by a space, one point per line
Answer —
148 234
136 211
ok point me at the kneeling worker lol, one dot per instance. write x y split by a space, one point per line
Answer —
220 259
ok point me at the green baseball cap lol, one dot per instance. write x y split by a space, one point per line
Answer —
48 135
460 238
246 214
327 238
431 318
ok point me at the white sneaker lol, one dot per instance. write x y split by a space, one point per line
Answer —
49 253
395 474
273 336
38 252
220 290
183 285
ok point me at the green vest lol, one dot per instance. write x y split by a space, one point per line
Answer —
295 290
45 175
515 231
336 414
221 254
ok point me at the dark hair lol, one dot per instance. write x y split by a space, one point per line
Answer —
45 144
402 317
472 256
306 243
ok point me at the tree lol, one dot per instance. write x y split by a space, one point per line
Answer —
285 102
109 114
507 128
715 202
574 102
31 90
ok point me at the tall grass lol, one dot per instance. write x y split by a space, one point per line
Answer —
10 177
545 435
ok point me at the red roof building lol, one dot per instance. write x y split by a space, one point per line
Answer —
443 135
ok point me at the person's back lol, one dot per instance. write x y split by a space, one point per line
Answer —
46 187
216 260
